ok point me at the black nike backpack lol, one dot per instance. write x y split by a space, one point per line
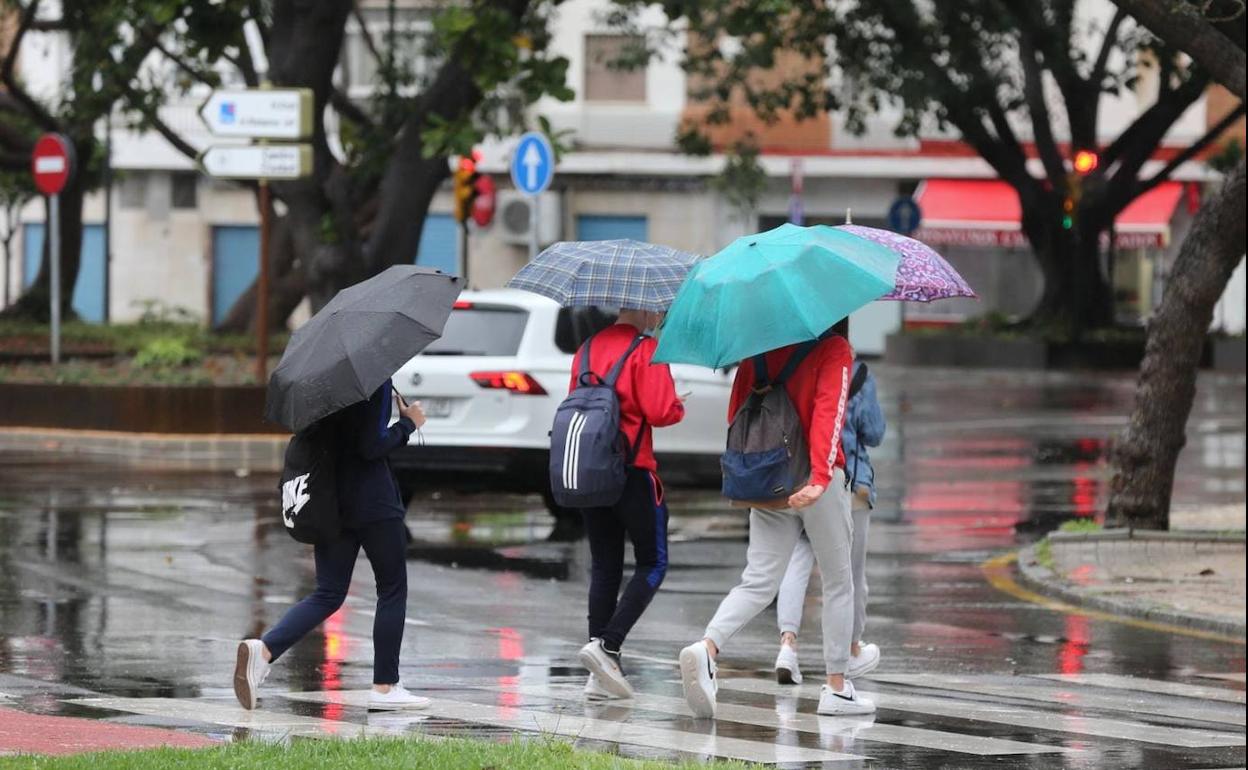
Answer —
309 486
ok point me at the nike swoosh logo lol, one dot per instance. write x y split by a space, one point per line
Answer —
849 698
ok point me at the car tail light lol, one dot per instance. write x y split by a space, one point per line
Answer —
520 383
462 304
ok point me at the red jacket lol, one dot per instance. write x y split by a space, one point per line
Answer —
646 390
818 390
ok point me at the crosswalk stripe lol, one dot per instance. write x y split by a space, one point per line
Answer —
228 715
1011 715
1084 697
861 728
1178 689
571 726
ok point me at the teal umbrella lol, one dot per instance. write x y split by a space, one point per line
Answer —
765 291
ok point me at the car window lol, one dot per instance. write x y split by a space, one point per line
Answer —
577 324
481 330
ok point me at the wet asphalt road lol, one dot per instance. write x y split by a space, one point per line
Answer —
128 585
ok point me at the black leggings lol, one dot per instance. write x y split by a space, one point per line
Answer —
641 515
385 545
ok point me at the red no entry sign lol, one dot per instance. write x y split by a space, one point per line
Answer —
52 163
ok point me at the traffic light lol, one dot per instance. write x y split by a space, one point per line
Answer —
1068 212
1086 162
465 187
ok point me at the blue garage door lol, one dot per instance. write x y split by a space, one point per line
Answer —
601 227
235 264
438 244
88 299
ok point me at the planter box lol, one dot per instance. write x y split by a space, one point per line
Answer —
1228 354
965 350
139 409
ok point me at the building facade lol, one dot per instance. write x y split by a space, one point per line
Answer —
185 240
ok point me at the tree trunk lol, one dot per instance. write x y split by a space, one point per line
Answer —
1145 457
35 302
1076 296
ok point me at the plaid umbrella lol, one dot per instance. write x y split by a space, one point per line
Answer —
620 274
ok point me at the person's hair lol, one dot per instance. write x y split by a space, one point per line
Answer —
842 327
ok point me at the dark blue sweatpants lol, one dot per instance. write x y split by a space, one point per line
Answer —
641 516
385 545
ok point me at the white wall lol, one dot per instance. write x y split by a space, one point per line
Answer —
598 124
1228 316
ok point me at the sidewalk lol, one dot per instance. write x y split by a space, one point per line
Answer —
172 451
23 733
1189 578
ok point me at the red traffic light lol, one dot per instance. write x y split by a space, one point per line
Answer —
1086 161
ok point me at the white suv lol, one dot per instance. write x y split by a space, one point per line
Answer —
490 387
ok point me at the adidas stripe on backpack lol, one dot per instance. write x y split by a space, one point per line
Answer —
767 458
589 455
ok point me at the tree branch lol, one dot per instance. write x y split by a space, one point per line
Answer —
1107 45
1195 149
365 35
179 62
349 109
36 111
1195 36
1041 121
1156 120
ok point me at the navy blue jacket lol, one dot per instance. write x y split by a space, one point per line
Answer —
367 490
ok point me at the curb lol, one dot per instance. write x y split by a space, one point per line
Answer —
256 452
1043 580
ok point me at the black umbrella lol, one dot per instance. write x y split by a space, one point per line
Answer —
357 342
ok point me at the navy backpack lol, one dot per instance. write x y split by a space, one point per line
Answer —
589 456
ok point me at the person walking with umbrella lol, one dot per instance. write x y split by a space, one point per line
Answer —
769 302
334 378
641 278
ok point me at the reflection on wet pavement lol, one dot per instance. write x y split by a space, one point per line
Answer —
122 594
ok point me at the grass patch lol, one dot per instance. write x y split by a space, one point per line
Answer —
1044 554
452 754
1081 526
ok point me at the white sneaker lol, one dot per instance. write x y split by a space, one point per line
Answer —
697 674
847 701
787 671
397 698
606 667
250 671
595 691
864 662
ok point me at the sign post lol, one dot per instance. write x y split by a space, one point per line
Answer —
260 113
52 164
797 211
532 170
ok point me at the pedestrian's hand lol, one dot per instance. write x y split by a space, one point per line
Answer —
806 496
414 413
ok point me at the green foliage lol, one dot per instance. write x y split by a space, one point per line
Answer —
1044 554
742 180
1081 526
543 753
167 353
1228 157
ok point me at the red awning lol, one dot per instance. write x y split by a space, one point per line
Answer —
986 212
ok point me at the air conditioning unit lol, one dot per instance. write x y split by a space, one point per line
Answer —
514 217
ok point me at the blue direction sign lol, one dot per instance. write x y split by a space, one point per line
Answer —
533 164
904 216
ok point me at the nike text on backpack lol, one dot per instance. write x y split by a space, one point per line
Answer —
309 488
589 456
767 458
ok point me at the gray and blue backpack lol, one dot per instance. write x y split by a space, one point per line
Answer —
767 457
589 455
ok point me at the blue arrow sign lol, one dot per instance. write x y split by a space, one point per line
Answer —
532 164
904 216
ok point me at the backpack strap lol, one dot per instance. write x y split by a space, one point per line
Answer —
582 366
761 382
794 361
860 379
614 374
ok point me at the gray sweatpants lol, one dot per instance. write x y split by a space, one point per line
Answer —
792 596
773 534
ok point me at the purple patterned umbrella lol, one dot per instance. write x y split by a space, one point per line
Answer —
922 275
